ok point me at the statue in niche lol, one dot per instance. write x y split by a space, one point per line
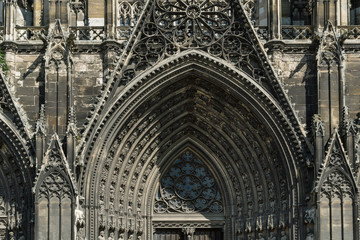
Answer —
272 236
309 215
261 237
111 236
283 236
101 236
21 236
121 236
310 236
11 236
80 234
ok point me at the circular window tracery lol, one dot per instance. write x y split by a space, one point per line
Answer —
193 23
188 186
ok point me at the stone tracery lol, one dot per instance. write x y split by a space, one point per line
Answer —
188 187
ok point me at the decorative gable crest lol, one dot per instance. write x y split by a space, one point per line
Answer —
54 167
335 175
57 45
219 28
330 51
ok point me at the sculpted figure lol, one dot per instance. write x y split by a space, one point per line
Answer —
283 236
101 236
111 237
261 237
310 236
272 236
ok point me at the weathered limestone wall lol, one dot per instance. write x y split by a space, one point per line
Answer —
87 82
27 74
298 74
352 83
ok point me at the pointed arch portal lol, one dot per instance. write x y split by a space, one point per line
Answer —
193 104
193 78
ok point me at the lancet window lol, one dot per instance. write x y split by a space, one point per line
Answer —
355 12
129 12
188 186
295 12
1 13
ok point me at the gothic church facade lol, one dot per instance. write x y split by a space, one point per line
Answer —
179 119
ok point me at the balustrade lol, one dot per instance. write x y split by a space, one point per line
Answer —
30 33
296 32
86 33
350 32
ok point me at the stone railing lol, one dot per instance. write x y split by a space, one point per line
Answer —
262 32
350 32
123 33
88 33
296 32
1 33
30 33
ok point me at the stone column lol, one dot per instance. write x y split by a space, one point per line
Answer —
9 19
37 13
274 19
110 19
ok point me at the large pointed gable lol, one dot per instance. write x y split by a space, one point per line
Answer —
219 30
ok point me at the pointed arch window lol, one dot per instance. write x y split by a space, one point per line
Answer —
188 186
1 13
355 12
295 12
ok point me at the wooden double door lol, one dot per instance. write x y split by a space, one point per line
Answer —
197 234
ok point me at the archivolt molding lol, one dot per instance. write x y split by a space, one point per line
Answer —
16 179
137 135
202 64
149 46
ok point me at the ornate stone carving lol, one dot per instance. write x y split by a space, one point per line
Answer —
188 186
309 215
318 128
54 185
330 51
191 24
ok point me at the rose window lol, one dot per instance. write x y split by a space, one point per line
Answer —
188 186
193 23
